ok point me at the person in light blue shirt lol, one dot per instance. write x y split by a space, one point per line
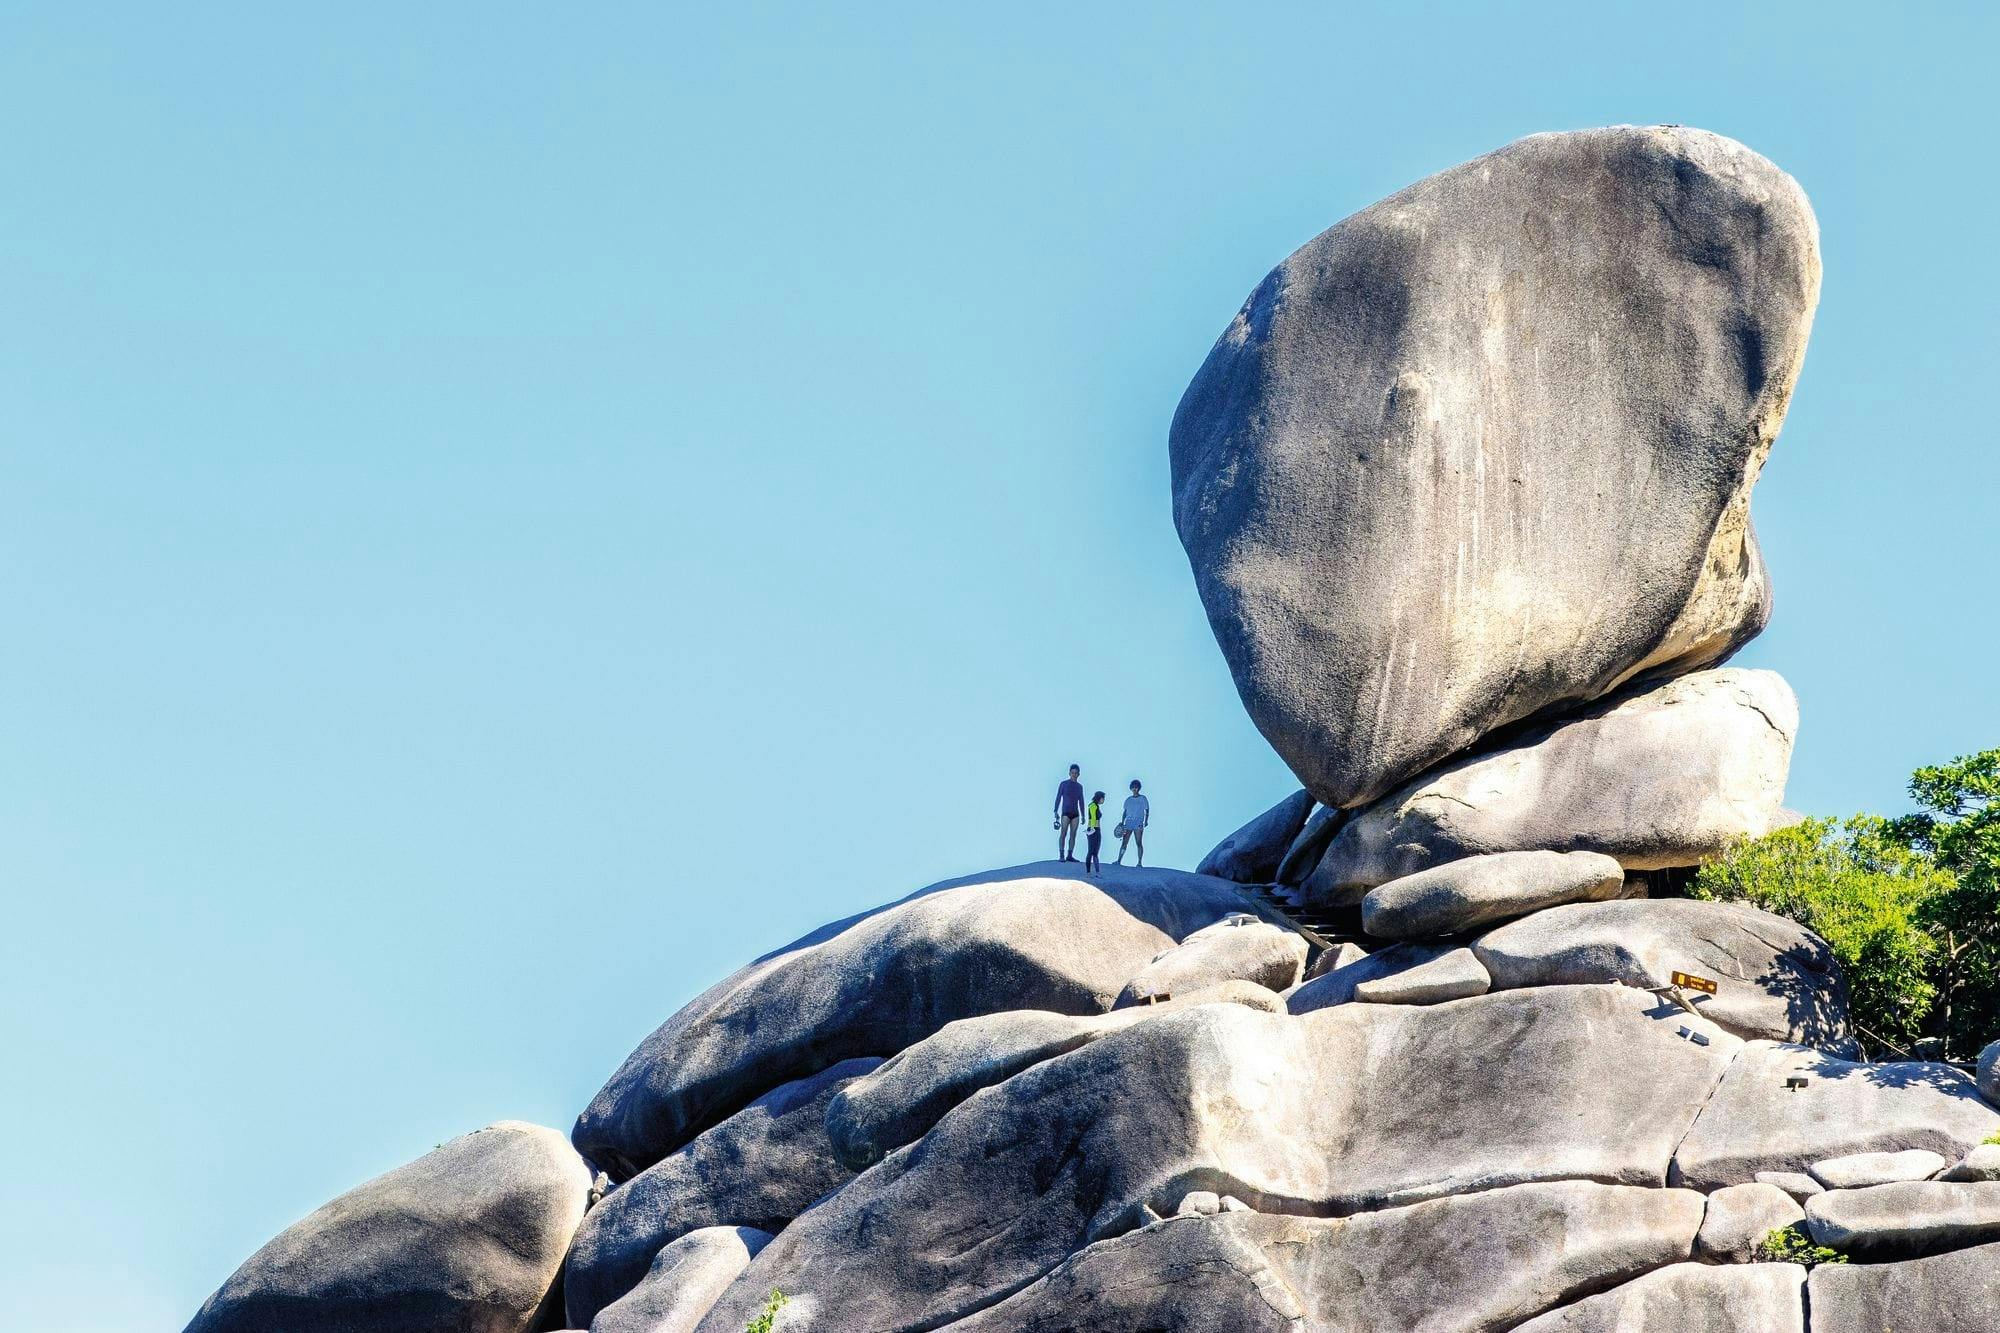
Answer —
1132 824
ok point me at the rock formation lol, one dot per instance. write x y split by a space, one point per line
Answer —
1465 487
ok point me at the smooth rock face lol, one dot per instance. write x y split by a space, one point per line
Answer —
1907 1218
1306 850
899 1102
1739 1217
1960 1290
1859 1170
1347 951
1988 1073
1690 1298
1486 448
760 1168
1480 890
1490 1259
1239 949
1795 1183
466 1239
1338 985
1039 937
1253 853
1754 1123
1453 976
1982 1163
1775 979
684 1282
1346 1109
1666 777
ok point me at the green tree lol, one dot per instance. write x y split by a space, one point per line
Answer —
1959 825
1862 889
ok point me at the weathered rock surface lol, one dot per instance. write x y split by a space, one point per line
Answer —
1486 448
1690 1298
1337 986
760 1168
1451 976
1240 948
1776 979
1038 937
1906 1218
1306 850
1739 1217
1862 1169
1668 776
1350 1108
897 1103
1253 853
1987 1072
1347 951
1795 1183
1755 1123
468 1238
1490 1260
1960 1290
1480 890
684 1282
1982 1163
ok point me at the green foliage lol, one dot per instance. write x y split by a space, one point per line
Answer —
1994 1137
1794 1245
1959 825
762 1323
1861 889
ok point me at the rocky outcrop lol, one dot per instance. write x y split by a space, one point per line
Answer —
1668 776
1757 1121
1033 938
760 1168
1239 948
1253 853
684 1282
468 1238
1774 978
1862 1169
1484 890
1455 975
1738 1219
1485 449
1338 985
1690 1298
1492 1259
1960 1290
1906 1219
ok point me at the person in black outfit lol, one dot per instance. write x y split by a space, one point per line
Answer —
1069 809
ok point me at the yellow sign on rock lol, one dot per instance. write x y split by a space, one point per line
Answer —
1692 982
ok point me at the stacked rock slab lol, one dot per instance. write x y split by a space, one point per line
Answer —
1465 487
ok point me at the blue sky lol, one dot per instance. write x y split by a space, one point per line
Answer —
509 511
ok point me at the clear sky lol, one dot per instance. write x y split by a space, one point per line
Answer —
508 511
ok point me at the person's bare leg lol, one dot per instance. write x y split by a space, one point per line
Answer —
1139 837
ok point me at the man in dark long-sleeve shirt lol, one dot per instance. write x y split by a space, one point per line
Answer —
1069 808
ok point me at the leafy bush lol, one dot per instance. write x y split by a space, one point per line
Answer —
1994 1137
1863 892
1794 1245
762 1323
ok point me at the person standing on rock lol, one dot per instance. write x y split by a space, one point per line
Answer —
1132 825
1093 832
1069 809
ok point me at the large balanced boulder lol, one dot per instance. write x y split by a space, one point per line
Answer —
760 1168
1663 777
1486 448
1489 1260
684 1282
1960 1290
1343 1110
1040 937
1782 1108
1253 853
468 1238
1481 890
1774 978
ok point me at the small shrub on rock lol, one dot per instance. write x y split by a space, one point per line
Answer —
1794 1245
762 1323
